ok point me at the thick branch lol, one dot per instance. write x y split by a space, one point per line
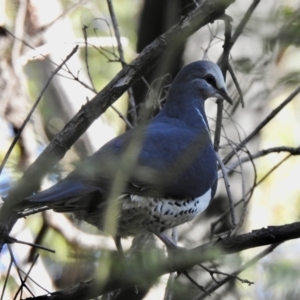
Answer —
146 267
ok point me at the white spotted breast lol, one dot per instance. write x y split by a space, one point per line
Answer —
147 214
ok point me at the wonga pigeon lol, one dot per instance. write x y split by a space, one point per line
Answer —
164 172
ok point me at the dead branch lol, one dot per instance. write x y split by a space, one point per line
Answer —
146 267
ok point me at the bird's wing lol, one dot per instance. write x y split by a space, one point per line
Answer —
89 184
147 161
154 161
64 196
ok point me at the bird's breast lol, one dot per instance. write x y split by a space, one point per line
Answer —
146 214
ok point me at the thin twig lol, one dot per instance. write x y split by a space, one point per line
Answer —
248 264
121 53
146 268
239 29
121 116
116 30
222 62
36 283
196 284
33 109
26 277
261 153
212 272
93 89
66 11
237 85
250 191
244 201
84 28
17 267
263 123
110 34
242 218
31 47
11 240
272 170
227 186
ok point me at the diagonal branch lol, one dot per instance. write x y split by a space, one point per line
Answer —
207 12
146 267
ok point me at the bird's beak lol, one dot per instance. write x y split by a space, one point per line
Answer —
222 92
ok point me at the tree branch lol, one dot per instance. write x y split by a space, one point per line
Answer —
272 115
122 58
291 150
146 267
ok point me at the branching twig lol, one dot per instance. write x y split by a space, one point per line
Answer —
233 276
223 61
263 123
146 268
261 153
26 277
200 287
95 92
241 269
122 58
18 269
250 191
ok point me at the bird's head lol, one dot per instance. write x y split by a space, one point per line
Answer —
204 78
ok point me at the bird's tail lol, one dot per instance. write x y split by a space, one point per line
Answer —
63 197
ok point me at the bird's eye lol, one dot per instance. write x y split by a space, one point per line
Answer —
211 80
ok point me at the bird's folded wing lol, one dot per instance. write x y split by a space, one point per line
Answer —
63 197
153 173
63 190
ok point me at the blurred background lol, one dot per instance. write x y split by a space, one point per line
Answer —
35 36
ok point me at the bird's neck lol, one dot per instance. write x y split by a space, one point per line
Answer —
187 108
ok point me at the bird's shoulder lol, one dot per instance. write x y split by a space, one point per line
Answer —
154 150
151 140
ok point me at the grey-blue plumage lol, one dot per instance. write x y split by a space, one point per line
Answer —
166 170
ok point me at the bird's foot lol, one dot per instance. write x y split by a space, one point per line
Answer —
118 243
171 246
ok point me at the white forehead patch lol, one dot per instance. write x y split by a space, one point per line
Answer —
214 70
